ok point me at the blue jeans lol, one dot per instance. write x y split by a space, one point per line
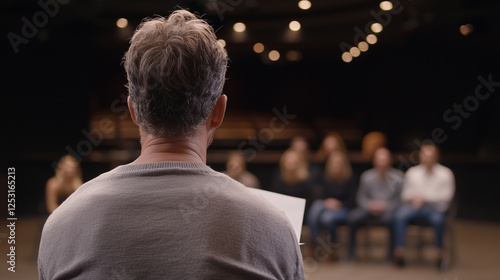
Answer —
407 213
319 218
358 216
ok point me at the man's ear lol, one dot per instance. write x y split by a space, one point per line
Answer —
218 112
131 109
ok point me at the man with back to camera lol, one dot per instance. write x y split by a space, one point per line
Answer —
167 215
428 189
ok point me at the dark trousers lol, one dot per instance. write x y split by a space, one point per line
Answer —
360 216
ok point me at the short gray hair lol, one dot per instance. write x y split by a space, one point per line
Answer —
176 71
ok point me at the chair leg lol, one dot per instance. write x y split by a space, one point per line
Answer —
450 251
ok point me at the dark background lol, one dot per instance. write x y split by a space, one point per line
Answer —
402 85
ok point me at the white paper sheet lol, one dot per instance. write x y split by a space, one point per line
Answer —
293 207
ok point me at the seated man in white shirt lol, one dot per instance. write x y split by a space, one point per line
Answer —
427 192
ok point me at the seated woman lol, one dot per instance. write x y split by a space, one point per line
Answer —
293 177
337 197
236 168
67 179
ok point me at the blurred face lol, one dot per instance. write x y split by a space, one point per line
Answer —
335 165
382 160
428 155
299 145
69 168
291 162
235 165
331 144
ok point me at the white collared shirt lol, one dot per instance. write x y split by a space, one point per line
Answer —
436 186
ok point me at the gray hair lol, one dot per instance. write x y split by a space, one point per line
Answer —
176 71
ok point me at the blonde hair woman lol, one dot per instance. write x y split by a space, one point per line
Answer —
338 191
293 176
67 179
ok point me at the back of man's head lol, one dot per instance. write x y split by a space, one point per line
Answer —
176 71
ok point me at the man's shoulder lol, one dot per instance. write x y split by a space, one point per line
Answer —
395 172
443 168
369 174
415 169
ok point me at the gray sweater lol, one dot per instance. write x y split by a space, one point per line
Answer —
372 187
167 220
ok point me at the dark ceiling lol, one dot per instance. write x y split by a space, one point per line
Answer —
324 26
420 66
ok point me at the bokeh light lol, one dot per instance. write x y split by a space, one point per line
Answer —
304 4
122 22
239 27
274 55
294 25
258 47
386 5
346 57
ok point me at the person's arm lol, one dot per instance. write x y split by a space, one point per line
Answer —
362 196
408 186
51 195
395 181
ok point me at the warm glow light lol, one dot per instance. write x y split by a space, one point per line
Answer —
371 39
294 25
376 27
355 52
386 5
304 4
294 55
122 22
222 42
274 55
258 47
239 27
466 29
363 46
346 57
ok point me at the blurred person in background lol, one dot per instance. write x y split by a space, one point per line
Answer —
427 192
293 177
378 197
301 145
236 168
67 179
333 142
338 193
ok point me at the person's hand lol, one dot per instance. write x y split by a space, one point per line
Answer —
332 203
417 202
377 207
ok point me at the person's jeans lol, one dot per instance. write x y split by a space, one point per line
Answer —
426 212
359 216
319 218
